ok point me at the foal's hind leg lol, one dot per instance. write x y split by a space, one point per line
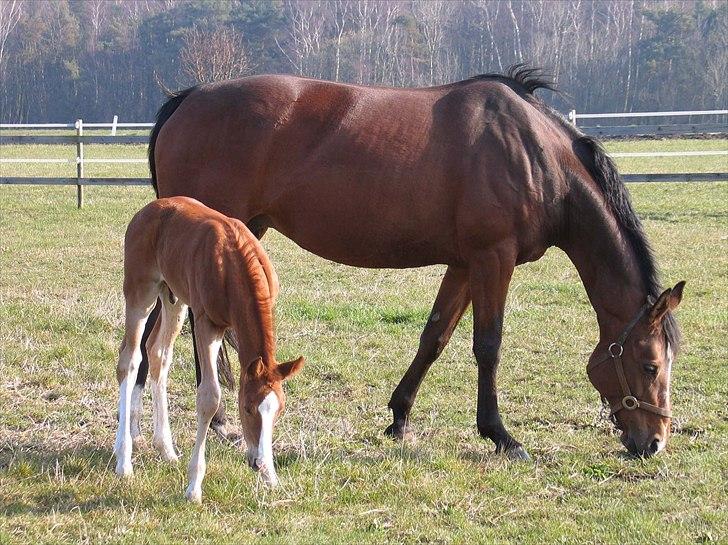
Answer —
138 391
452 300
160 359
209 338
130 356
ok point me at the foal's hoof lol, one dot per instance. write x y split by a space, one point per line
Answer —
165 449
138 442
518 454
194 495
227 433
401 433
124 470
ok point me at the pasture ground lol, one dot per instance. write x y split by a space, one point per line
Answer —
61 313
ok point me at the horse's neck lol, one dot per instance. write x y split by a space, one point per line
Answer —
607 266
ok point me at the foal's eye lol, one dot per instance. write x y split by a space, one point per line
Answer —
650 369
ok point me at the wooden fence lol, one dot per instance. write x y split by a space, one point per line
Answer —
80 140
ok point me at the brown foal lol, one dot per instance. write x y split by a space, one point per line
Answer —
185 253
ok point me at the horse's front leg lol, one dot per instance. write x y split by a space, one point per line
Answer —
490 276
452 300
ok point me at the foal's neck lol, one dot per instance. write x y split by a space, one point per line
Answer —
606 263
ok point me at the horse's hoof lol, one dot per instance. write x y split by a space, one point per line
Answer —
518 454
401 433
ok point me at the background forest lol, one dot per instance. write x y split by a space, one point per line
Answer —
64 59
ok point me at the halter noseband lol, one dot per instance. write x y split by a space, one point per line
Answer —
615 352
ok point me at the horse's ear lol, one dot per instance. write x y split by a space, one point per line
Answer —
290 368
676 295
667 301
256 368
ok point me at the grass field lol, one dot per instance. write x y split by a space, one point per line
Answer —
61 312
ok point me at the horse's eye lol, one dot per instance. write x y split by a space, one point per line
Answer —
650 369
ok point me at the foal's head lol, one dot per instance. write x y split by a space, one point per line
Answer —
261 401
640 404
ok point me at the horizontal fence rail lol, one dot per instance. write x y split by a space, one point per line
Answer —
666 129
80 140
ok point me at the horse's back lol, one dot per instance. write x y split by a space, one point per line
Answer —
361 175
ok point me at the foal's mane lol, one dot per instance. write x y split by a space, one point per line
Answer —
525 80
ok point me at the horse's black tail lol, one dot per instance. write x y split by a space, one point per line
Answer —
164 113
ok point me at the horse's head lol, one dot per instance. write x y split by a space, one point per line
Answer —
632 374
261 401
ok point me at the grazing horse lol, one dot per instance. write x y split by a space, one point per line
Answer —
184 253
480 175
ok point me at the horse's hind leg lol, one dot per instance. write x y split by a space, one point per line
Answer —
452 300
208 338
130 356
160 349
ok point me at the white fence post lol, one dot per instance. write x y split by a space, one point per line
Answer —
572 117
79 163
113 125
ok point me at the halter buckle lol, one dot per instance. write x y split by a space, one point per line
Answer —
630 403
615 345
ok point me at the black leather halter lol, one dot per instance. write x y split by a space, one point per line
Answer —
615 351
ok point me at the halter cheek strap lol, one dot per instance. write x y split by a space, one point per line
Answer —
615 351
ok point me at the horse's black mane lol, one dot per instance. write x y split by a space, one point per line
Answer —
601 167
525 80
522 78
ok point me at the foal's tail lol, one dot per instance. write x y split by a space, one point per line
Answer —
164 113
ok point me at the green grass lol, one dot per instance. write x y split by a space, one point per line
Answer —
61 313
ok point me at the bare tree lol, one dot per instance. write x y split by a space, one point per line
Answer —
214 54
340 15
10 13
305 36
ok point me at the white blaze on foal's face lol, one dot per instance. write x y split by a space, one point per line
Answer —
261 402
258 419
268 411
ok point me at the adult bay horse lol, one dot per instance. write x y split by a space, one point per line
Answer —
479 175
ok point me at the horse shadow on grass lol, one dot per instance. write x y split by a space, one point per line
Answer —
43 480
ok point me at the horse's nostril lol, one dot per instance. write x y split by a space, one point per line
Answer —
654 446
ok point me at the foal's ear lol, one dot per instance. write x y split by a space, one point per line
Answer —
290 368
256 368
667 301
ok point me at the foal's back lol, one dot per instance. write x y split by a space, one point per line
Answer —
205 257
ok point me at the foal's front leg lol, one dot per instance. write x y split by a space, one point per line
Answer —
209 339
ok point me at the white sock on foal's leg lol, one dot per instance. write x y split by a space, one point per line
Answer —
172 317
208 398
123 445
135 414
162 439
130 357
